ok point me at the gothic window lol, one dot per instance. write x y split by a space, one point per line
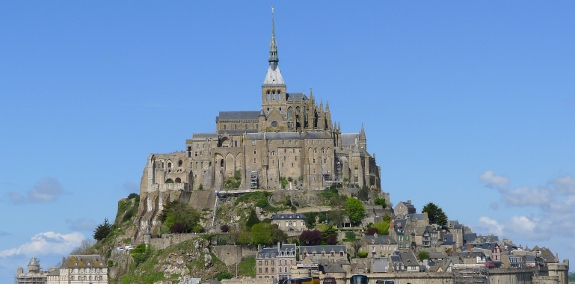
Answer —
225 127
254 160
245 126
179 163
289 113
169 165
254 152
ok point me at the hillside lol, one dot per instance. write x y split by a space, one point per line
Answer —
177 257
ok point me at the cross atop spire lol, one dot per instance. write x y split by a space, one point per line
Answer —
273 46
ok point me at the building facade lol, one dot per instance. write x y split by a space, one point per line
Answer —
80 269
290 142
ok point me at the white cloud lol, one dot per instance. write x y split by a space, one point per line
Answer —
492 180
45 190
564 185
526 196
46 243
81 224
491 226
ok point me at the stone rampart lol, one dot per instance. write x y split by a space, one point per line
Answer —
169 239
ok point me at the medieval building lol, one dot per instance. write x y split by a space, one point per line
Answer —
291 142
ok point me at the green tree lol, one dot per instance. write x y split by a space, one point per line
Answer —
387 218
252 219
355 210
380 201
176 212
435 214
423 255
102 230
382 227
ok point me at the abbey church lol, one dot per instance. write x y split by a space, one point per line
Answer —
289 143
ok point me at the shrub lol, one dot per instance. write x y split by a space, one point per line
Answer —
225 275
380 201
362 254
350 235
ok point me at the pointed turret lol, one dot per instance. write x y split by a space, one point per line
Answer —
273 76
362 138
328 115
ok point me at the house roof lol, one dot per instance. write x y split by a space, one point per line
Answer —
83 261
268 252
238 115
416 216
296 97
409 259
380 264
380 240
297 216
320 249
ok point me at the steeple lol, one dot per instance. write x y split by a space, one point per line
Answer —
273 46
274 75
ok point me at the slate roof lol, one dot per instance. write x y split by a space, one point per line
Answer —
415 216
203 136
268 252
448 239
487 245
409 259
316 135
319 249
468 238
380 240
333 268
380 265
349 138
288 216
238 115
437 255
296 97
83 261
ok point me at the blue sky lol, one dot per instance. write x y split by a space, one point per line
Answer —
470 105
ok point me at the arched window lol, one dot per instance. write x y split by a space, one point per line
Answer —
179 163
222 163
178 180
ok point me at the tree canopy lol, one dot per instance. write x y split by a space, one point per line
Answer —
435 214
355 210
102 231
178 217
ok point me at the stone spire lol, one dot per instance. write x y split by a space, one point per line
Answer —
274 75
273 45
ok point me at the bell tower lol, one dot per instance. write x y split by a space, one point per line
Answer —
274 89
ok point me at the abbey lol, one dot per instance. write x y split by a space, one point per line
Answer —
289 143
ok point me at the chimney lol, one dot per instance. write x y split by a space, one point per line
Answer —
409 201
